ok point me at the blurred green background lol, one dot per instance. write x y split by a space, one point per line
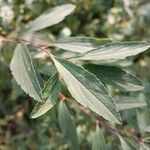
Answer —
118 20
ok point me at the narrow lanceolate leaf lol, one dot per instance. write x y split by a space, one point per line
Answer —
131 102
115 50
24 72
80 44
115 76
51 17
67 126
50 96
124 145
98 142
87 89
41 108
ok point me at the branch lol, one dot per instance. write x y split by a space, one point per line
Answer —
17 41
63 97
98 121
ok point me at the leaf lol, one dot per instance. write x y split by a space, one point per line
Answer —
80 44
24 72
115 50
115 76
130 103
124 145
49 86
87 89
67 126
99 140
51 17
41 108
142 121
37 38
50 96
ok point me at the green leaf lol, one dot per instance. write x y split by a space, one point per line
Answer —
99 140
41 108
50 96
142 121
80 44
49 86
115 50
115 76
24 72
124 145
67 126
51 17
131 102
87 89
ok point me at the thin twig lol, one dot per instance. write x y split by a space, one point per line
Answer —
42 47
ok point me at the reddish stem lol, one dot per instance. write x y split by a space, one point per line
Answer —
62 97
42 47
